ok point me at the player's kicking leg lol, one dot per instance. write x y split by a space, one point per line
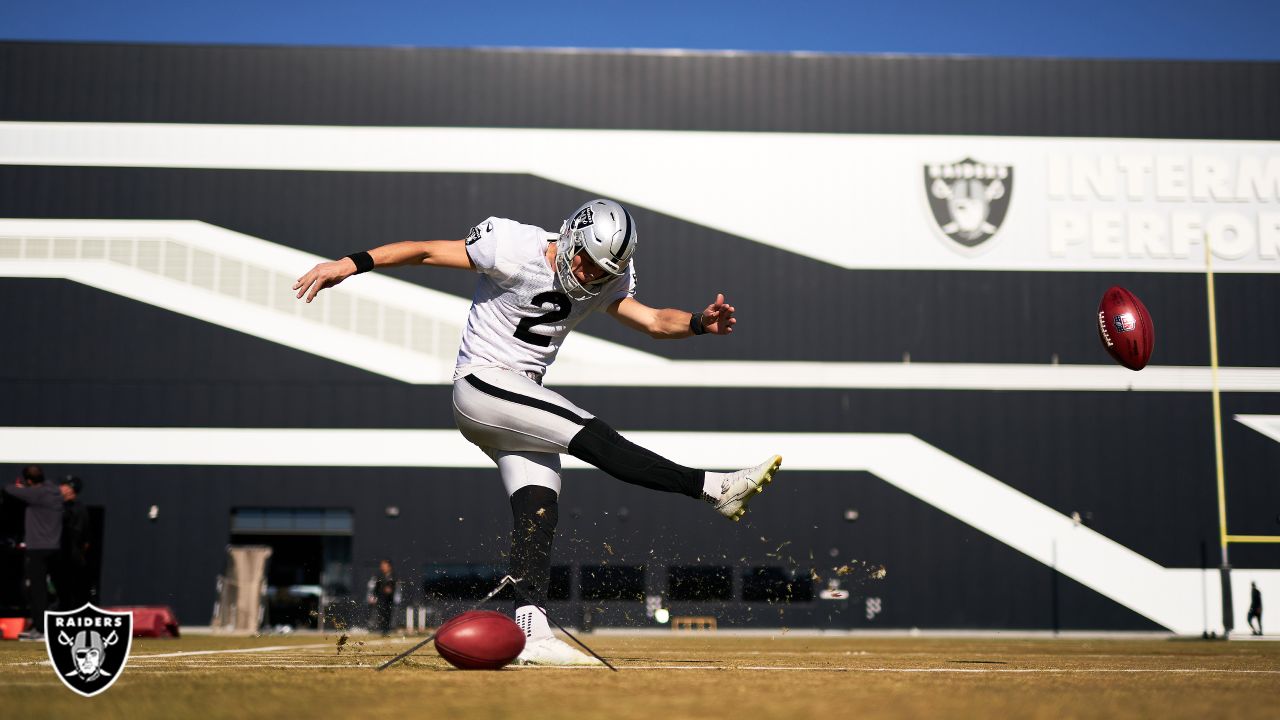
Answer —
501 409
601 446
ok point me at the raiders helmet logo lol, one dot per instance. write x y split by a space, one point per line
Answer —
583 219
88 647
969 199
474 235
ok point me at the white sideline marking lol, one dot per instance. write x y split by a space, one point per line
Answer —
962 671
301 664
782 668
1024 670
272 648
192 652
267 648
237 651
759 668
800 669
270 665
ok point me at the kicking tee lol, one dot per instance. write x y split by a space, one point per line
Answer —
520 314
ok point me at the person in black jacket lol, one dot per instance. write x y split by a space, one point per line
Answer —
71 571
1255 608
42 535
384 590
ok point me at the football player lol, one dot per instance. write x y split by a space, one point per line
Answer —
534 287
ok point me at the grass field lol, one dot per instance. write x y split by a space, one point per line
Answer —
671 677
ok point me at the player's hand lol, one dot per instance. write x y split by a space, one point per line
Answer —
324 276
718 317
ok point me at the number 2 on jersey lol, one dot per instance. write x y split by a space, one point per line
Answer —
563 306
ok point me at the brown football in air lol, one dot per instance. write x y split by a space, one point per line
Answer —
1125 328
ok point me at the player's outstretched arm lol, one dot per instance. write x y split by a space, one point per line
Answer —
671 324
440 253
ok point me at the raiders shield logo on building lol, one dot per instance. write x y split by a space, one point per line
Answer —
969 199
89 647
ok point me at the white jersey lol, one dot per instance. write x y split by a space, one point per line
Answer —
520 314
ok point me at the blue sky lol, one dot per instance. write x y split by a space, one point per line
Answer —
1227 29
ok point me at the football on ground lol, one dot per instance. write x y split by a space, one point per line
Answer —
1125 328
479 640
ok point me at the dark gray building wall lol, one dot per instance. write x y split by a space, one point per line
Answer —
1139 463
639 90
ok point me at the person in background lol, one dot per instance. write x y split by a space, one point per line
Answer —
1255 608
384 594
70 576
42 535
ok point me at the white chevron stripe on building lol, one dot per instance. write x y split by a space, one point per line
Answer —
376 323
1268 425
410 333
1174 598
761 186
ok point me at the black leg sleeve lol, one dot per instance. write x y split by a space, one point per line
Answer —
535 510
600 445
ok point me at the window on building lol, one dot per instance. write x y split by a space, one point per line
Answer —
774 584
700 582
461 581
612 582
285 521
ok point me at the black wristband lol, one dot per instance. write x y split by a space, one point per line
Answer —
363 261
695 324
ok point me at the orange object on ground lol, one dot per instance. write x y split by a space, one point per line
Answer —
10 627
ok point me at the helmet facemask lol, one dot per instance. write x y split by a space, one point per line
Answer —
567 246
606 232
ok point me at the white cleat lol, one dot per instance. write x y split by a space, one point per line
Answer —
737 488
543 648
554 652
